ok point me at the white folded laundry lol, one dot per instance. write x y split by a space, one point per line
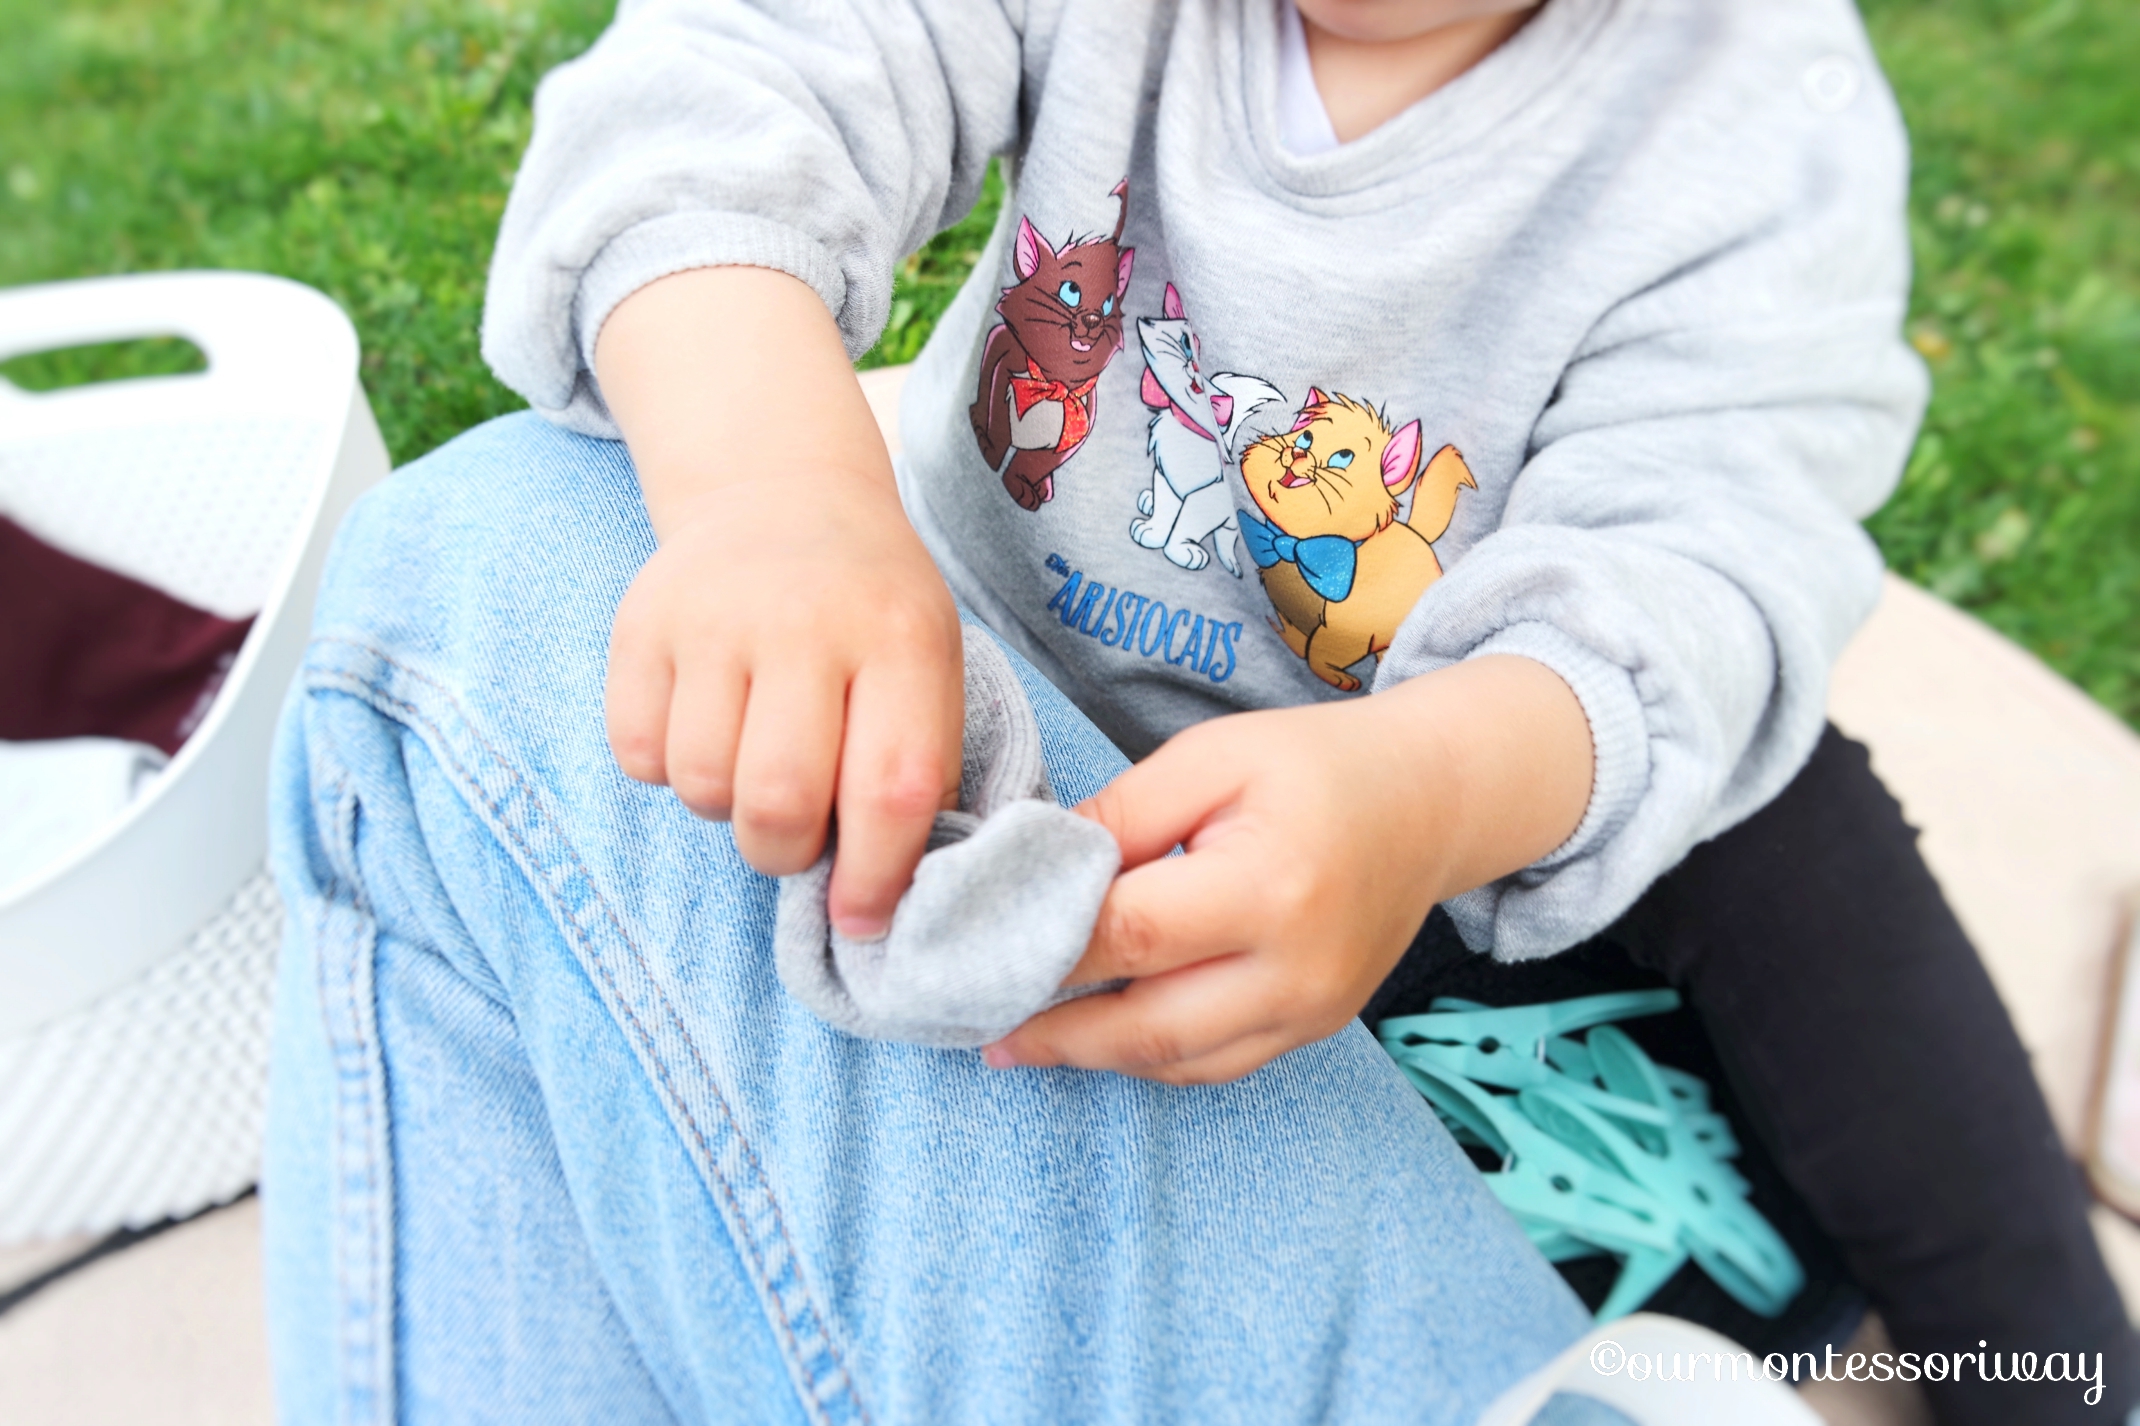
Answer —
57 793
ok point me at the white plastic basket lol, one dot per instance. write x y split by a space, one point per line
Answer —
135 972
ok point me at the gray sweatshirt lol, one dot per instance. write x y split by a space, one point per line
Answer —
1591 356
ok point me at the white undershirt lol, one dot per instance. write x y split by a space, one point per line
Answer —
1303 123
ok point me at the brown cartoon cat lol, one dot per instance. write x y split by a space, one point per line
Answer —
1341 569
1062 324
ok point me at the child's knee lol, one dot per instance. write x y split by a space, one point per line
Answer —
515 517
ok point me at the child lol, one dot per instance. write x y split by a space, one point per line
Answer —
1429 435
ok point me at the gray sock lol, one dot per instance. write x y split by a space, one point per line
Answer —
1000 910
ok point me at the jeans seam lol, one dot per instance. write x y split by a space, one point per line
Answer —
787 1316
362 1396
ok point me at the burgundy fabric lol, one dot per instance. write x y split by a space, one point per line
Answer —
87 652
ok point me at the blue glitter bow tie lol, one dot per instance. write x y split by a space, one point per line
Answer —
1327 562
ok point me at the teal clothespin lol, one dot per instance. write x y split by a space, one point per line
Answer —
1601 1149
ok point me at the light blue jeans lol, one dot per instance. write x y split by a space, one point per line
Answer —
549 1143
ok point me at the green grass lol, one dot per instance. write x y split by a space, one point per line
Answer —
363 147
366 148
2022 500
104 361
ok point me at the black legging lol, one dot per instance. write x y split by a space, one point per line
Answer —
1862 1044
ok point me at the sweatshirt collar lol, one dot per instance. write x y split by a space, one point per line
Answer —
1466 110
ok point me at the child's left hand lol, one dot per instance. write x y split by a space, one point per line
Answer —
1317 839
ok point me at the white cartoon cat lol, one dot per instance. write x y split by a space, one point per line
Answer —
1196 425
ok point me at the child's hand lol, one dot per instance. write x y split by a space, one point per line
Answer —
1317 840
787 651
790 652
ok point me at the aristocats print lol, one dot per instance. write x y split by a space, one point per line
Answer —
1041 365
1341 559
1195 427
1125 505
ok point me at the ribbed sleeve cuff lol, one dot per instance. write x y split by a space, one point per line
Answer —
1620 777
678 242
1619 735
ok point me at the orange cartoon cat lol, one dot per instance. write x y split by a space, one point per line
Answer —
1341 568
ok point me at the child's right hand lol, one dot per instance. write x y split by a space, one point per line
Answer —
790 653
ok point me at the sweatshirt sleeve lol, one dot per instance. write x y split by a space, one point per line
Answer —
822 138
1682 543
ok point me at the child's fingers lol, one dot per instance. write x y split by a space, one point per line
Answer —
1168 914
786 761
704 721
1150 1026
635 703
1231 1061
898 768
1160 802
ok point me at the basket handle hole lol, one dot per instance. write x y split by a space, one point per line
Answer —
62 367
